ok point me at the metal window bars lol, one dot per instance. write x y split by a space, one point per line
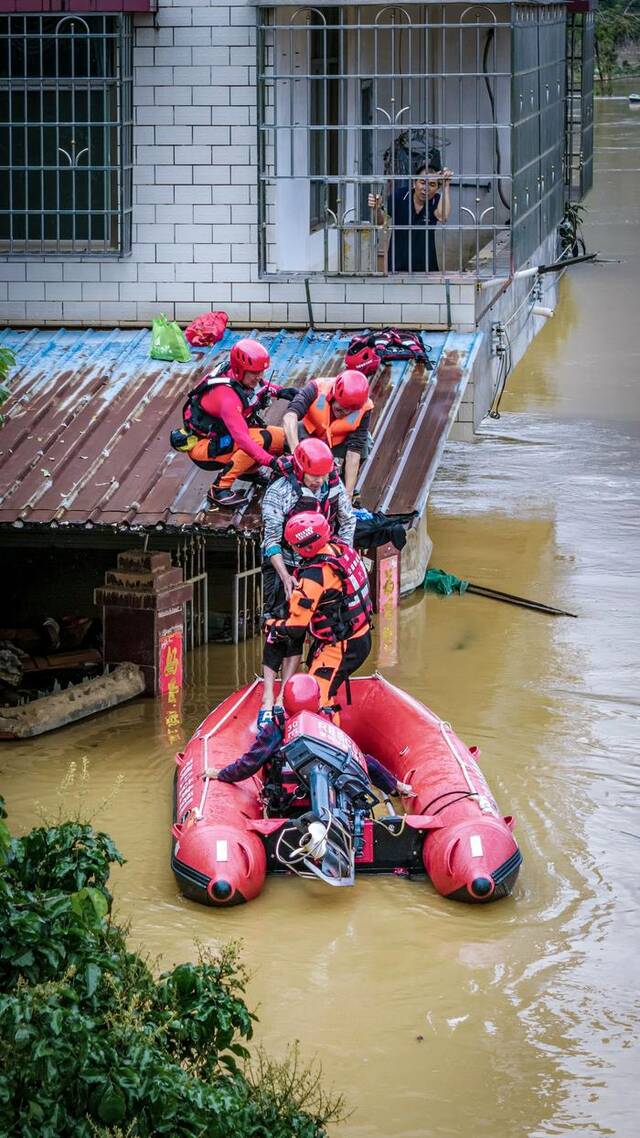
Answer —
538 117
246 599
190 556
354 100
66 134
579 104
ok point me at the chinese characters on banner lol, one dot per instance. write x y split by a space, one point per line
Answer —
170 659
171 645
388 588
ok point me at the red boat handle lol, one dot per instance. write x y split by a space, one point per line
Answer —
449 855
249 859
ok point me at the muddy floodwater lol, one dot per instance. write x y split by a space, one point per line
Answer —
438 1019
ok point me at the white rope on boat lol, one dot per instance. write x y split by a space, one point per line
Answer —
483 802
199 810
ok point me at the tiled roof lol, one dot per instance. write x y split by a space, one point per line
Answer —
85 442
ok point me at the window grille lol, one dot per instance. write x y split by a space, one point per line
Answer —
579 124
66 154
324 95
353 100
538 104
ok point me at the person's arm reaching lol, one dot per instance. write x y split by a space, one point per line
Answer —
443 208
351 468
384 780
296 411
374 202
290 424
346 518
356 444
227 406
288 582
275 506
265 747
302 604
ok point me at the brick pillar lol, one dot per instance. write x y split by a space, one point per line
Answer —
143 616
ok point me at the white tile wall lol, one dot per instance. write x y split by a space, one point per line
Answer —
195 202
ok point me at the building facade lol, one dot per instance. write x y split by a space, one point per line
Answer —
222 156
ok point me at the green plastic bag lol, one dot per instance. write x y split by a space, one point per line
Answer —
439 581
168 341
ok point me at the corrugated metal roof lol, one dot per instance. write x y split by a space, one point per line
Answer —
86 437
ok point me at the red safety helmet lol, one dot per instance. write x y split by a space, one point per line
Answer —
248 356
307 532
301 693
366 360
312 456
351 390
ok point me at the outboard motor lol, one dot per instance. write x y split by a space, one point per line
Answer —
325 841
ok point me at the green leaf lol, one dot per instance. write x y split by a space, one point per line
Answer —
24 960
90 905
92 975
35 1111
112 1105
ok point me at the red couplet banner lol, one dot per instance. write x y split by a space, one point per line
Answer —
171 647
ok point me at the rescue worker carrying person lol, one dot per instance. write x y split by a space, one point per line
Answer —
222 430
299 693
338 411
330 601
311 482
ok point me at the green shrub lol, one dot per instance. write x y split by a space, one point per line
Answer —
92 1043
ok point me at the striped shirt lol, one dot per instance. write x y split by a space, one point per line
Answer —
280 498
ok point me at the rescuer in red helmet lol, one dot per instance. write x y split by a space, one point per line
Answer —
338 411
222 430
330 601
310 481
299 693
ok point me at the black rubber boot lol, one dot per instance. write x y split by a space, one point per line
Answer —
227 499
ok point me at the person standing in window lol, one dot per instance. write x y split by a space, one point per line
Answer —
416 211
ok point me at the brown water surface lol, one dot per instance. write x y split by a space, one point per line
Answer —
438 1019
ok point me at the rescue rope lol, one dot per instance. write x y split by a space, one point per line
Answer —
199 810
483 801
465 794
445 794
444 727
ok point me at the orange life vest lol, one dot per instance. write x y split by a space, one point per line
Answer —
318 421
341 617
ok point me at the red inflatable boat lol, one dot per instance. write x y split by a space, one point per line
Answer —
226 837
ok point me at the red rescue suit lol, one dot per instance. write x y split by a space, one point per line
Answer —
220 411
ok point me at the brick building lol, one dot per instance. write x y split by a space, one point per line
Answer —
220 155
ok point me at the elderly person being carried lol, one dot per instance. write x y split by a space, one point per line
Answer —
310 484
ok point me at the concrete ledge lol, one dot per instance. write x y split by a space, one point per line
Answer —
415 556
